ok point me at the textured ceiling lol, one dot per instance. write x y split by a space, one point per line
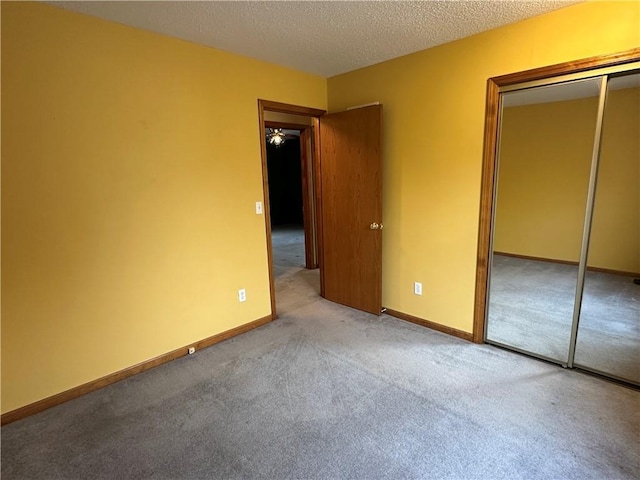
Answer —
321 37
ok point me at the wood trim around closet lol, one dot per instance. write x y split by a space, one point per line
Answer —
488 159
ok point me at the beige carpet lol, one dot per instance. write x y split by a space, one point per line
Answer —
327 392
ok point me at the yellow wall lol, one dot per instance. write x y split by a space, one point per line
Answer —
130 168
615 237
130 171
545 160
434 104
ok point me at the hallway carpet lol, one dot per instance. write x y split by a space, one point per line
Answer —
327 392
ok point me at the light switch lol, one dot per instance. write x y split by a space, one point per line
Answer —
258 208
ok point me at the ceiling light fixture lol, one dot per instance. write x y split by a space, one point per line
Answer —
275 136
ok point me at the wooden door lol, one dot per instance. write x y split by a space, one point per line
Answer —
351 207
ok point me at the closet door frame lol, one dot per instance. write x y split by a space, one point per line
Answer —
567 360
586 234
586 68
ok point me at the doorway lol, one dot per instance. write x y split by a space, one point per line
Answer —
563 232
342 199
287 144
293 235
284 170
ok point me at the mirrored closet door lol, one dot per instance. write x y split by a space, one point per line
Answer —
608 339
566 225
544 162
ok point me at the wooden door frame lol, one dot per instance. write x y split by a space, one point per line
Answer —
313 113
489 161
308 217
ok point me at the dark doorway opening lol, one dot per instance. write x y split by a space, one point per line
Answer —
285 181
284 167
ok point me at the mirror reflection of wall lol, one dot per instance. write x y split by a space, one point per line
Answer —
545 160
609 333
546 144
546 147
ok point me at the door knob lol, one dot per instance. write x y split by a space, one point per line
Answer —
376 226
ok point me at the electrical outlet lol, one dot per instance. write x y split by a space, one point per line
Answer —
417 288
242 295
192 350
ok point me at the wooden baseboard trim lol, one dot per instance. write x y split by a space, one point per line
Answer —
569 262
88 387
434 326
